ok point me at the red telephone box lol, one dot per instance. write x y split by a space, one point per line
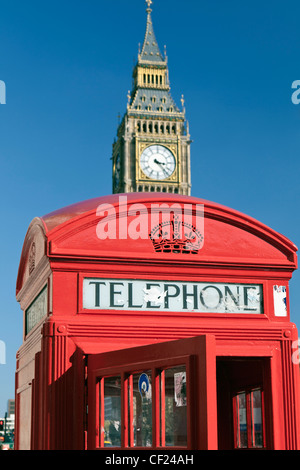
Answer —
156 321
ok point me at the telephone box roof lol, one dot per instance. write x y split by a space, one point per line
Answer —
231 238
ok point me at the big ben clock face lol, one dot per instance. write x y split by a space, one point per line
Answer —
157 162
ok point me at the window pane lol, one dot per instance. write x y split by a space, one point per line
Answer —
141 399
173 407
112 411
241 420
256 419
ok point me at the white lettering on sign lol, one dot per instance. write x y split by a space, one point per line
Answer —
146 295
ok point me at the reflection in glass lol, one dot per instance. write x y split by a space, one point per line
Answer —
249 422
242 420
173 407
256 419
112 412
140 404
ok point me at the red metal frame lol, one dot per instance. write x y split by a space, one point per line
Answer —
161 430
194 361
126 374
128 398
249 418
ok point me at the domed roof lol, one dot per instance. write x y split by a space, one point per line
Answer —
224 238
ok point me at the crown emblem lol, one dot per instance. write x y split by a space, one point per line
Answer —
176 236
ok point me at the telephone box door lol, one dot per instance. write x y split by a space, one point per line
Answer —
154 397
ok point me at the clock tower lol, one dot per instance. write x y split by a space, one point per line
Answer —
152 150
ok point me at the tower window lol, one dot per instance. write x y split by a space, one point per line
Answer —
152 189
156 128
153 99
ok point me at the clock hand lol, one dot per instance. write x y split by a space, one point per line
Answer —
159 163
164 169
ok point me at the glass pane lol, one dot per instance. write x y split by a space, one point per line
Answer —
112 412
141 402
256 419
173 407
241 420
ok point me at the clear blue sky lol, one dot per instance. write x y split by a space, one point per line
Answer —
68 65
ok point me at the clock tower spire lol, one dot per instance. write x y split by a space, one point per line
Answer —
152 150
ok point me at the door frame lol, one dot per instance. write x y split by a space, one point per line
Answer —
198 354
